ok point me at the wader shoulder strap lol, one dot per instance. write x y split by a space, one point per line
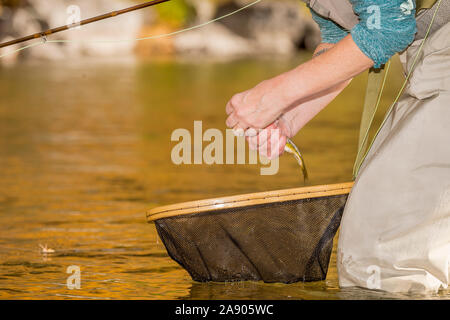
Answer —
374 91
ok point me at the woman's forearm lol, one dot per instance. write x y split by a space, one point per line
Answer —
318 76
296 118
266 102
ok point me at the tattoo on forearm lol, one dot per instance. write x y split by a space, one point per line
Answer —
318 53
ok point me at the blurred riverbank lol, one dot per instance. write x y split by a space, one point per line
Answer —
270 27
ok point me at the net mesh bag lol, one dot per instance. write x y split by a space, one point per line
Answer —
279 236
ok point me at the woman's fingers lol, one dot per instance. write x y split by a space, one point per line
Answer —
229 108
233 107
269 142
252 142
251 132
231 121
238 131
278 147
235 102
236 119
274 145
253 108
240 128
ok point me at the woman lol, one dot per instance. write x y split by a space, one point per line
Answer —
395 232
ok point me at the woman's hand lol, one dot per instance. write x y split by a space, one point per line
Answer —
262 105
270 142
256 108
300 94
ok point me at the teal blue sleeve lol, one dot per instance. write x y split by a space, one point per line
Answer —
385 27
331 32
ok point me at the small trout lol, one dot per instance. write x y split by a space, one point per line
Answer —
292 148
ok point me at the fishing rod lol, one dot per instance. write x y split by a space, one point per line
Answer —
44 34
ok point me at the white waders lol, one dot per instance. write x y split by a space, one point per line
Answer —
395 232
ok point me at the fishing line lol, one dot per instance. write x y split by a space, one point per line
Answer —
44 40
23 48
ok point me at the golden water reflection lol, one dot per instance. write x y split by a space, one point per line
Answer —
85 151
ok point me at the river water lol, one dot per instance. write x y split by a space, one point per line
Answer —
85 151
